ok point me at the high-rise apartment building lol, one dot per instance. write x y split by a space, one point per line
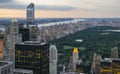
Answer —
30 14
12 38
114 52
95 68
32 56
53 59
14 27
30 22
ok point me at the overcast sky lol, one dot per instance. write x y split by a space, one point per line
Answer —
61 8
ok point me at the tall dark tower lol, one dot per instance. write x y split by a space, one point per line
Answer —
30 13
25 34
31 22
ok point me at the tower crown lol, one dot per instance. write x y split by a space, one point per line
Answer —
75 50
30 5
14 20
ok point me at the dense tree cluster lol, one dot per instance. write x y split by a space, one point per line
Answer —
96 39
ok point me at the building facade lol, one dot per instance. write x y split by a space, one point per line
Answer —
95 67
75 58
32 56
53 59
33 32
22 71
6 67
30 13
114 52
116 66
1 48
25 34
12 38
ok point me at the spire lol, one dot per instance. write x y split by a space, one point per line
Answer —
75 50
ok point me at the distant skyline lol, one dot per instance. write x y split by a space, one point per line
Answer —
61 8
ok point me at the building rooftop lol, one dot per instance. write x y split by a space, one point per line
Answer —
106 60
4 63
14 20
32 43
31 5
23 71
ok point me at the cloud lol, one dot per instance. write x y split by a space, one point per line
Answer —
37 7
61 8
12 6
6 1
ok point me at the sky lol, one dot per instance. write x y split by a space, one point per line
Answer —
61 8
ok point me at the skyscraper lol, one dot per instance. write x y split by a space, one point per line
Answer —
75 58
33 33
114 52
53 59
95 68
14 27
12 38
25 34
32 56
30 13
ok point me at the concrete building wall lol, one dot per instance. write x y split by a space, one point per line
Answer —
6 67
53 57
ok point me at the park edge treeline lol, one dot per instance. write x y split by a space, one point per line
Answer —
95 39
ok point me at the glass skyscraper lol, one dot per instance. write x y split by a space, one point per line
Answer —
32 56
30 13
